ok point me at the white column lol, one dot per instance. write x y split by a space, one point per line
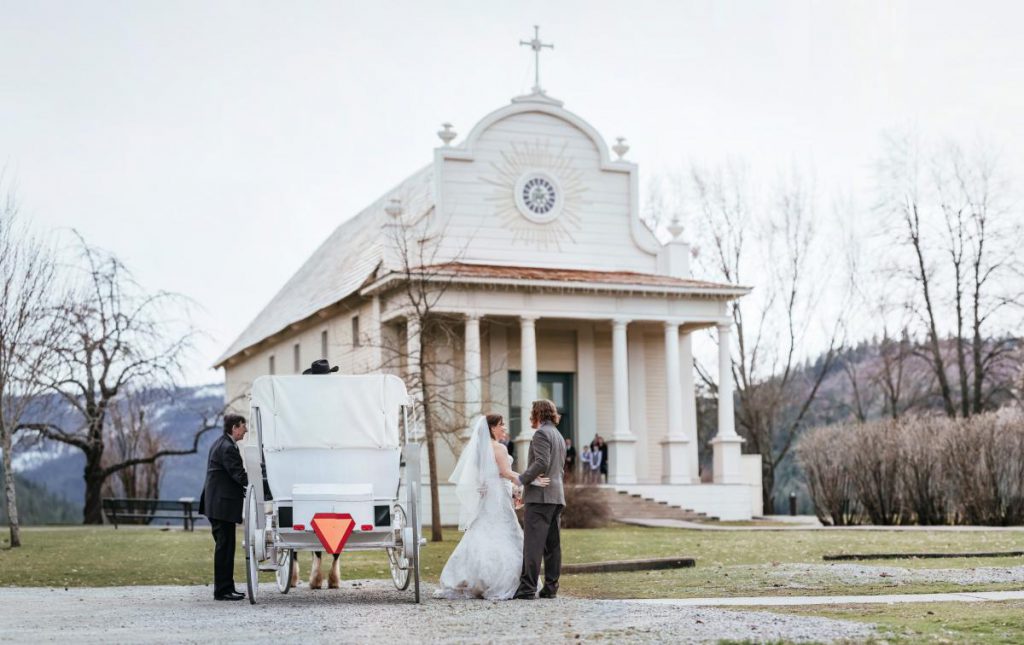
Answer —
689 404
498 388
527 386
726 444
375 328
413 347
586 385
472 368
622 443
674 448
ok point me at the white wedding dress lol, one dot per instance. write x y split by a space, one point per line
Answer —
488 560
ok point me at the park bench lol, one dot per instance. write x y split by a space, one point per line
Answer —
144 511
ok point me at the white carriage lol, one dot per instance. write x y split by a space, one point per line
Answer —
337 455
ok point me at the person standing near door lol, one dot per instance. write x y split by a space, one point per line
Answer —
570 460
599 463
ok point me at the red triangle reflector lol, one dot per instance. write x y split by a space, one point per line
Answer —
333 530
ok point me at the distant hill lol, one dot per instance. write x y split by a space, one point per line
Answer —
58 468
37 505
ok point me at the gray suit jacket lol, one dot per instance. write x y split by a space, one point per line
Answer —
547 457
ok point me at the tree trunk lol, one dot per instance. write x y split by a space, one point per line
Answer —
92 512
11 494
435 497
428 425
767 485
913 222
961 363
977 345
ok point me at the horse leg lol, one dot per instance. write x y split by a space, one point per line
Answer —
316 579
295 569
334 577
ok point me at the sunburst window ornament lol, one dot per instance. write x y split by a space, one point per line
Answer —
538 197
537 194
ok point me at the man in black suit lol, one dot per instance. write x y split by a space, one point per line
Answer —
221 502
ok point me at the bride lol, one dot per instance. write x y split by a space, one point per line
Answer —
488 560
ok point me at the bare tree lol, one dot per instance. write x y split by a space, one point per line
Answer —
851 361
130 435
964 274
27 270
903 201
118 339
424 277
774 329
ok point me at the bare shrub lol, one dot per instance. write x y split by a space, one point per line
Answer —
985 458
823 453
875 455
922 468
585 507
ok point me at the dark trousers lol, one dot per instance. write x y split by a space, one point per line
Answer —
541 537
223 557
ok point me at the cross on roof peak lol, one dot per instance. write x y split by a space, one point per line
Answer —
536 45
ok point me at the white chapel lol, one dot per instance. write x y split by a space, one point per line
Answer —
525 237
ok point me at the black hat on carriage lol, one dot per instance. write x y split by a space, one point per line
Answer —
320 366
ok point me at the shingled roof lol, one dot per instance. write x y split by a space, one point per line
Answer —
337 269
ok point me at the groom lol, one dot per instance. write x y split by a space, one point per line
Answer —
543 504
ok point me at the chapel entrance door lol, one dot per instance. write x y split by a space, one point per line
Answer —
555 386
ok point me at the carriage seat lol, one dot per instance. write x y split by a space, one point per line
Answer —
380 468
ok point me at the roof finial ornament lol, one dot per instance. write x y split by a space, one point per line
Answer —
447 135
621 148
675 227
536 45
394 207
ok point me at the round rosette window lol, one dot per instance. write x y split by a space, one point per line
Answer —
538 197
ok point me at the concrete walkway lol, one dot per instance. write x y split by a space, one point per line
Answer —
701 526
783 601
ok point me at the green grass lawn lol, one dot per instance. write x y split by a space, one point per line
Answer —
728 563
944 622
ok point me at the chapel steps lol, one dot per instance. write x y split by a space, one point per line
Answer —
626 505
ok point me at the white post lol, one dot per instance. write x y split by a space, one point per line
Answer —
527 386
472 368
726 444
413 347
622 443
675 460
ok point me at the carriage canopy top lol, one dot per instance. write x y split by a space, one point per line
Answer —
328 411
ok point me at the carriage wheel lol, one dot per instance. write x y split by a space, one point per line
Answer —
396 555
252 572
285 564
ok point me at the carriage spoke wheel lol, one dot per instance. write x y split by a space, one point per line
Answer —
285 564
396 555
252 572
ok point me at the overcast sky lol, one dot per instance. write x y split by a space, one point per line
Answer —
214 145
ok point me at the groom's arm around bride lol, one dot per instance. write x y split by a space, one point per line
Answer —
541 537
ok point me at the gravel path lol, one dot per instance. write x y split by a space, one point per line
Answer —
372 611
798 576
